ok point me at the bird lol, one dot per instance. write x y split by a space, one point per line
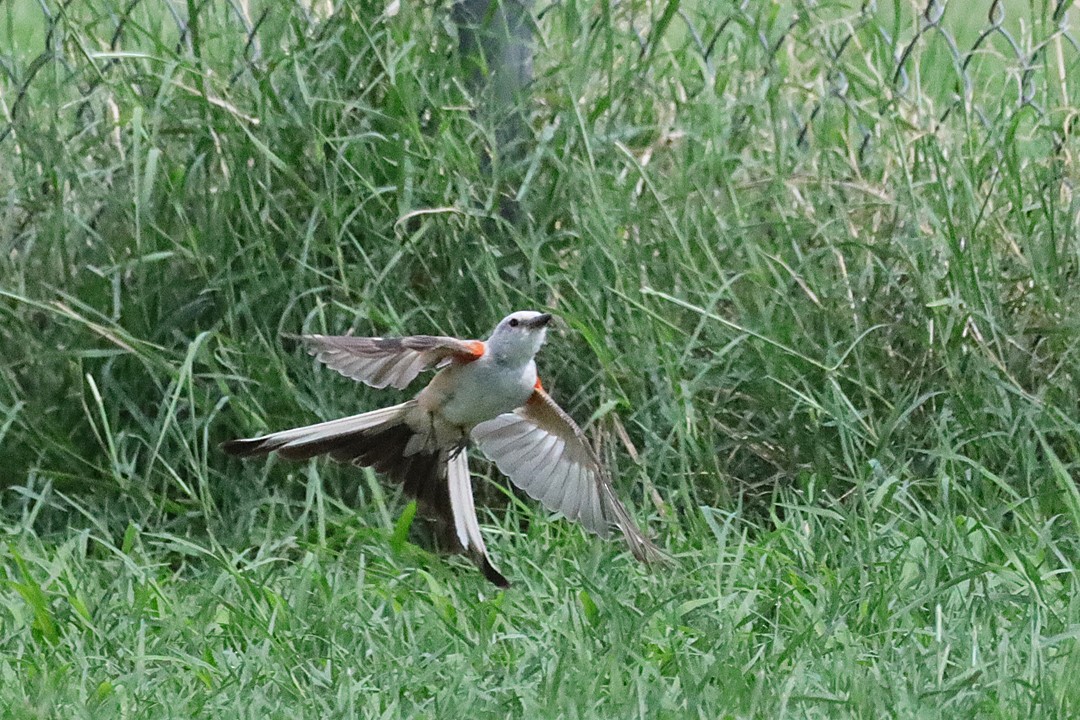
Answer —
485 393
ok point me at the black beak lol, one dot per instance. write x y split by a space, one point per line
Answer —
540 320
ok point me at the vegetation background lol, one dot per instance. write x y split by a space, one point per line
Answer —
817 264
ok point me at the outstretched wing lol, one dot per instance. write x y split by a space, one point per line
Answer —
543 452
395 362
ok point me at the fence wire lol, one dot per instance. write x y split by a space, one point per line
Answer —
832 41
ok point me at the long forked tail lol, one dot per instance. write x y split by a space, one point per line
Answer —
392 442
381 439
327 437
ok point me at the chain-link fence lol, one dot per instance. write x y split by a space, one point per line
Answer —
1020 46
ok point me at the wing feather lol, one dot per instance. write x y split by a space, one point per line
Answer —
389 362
536 460
562 493
542 451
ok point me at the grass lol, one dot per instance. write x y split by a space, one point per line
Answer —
828 303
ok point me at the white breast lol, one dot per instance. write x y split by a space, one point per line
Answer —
484 389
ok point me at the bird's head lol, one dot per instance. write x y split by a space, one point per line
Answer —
518 337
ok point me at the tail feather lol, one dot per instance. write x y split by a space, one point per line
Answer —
379 439
463 513
386 441
306 442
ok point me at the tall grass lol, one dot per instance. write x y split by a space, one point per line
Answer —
816 272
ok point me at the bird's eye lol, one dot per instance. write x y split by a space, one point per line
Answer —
514 322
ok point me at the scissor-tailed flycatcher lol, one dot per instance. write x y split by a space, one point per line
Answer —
485 391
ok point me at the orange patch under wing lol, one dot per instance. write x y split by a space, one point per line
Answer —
538 386
475 352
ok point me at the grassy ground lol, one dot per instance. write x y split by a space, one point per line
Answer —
818 275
